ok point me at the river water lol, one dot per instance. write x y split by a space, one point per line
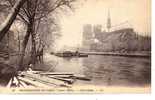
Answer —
104 70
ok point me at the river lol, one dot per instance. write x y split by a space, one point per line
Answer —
104 70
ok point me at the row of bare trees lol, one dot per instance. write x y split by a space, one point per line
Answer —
34 14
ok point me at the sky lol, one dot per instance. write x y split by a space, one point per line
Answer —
136 12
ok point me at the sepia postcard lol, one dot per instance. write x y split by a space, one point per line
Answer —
75 46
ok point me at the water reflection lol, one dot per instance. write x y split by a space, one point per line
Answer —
108 70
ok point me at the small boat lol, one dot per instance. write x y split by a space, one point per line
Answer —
82 55
64 54
70 54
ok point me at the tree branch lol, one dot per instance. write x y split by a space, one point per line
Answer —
4 28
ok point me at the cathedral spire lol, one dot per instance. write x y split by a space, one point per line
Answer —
108 21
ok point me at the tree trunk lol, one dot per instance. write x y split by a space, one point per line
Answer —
30 31
23 47
4 28
33 49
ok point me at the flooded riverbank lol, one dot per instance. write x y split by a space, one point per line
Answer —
104 70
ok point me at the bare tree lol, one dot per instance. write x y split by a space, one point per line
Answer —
31 14
11 17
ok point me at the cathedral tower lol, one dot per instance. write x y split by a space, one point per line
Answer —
108 22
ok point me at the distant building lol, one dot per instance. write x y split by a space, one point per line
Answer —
117 38
97 32
97 29
87 36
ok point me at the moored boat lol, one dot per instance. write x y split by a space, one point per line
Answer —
70 54
82 55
